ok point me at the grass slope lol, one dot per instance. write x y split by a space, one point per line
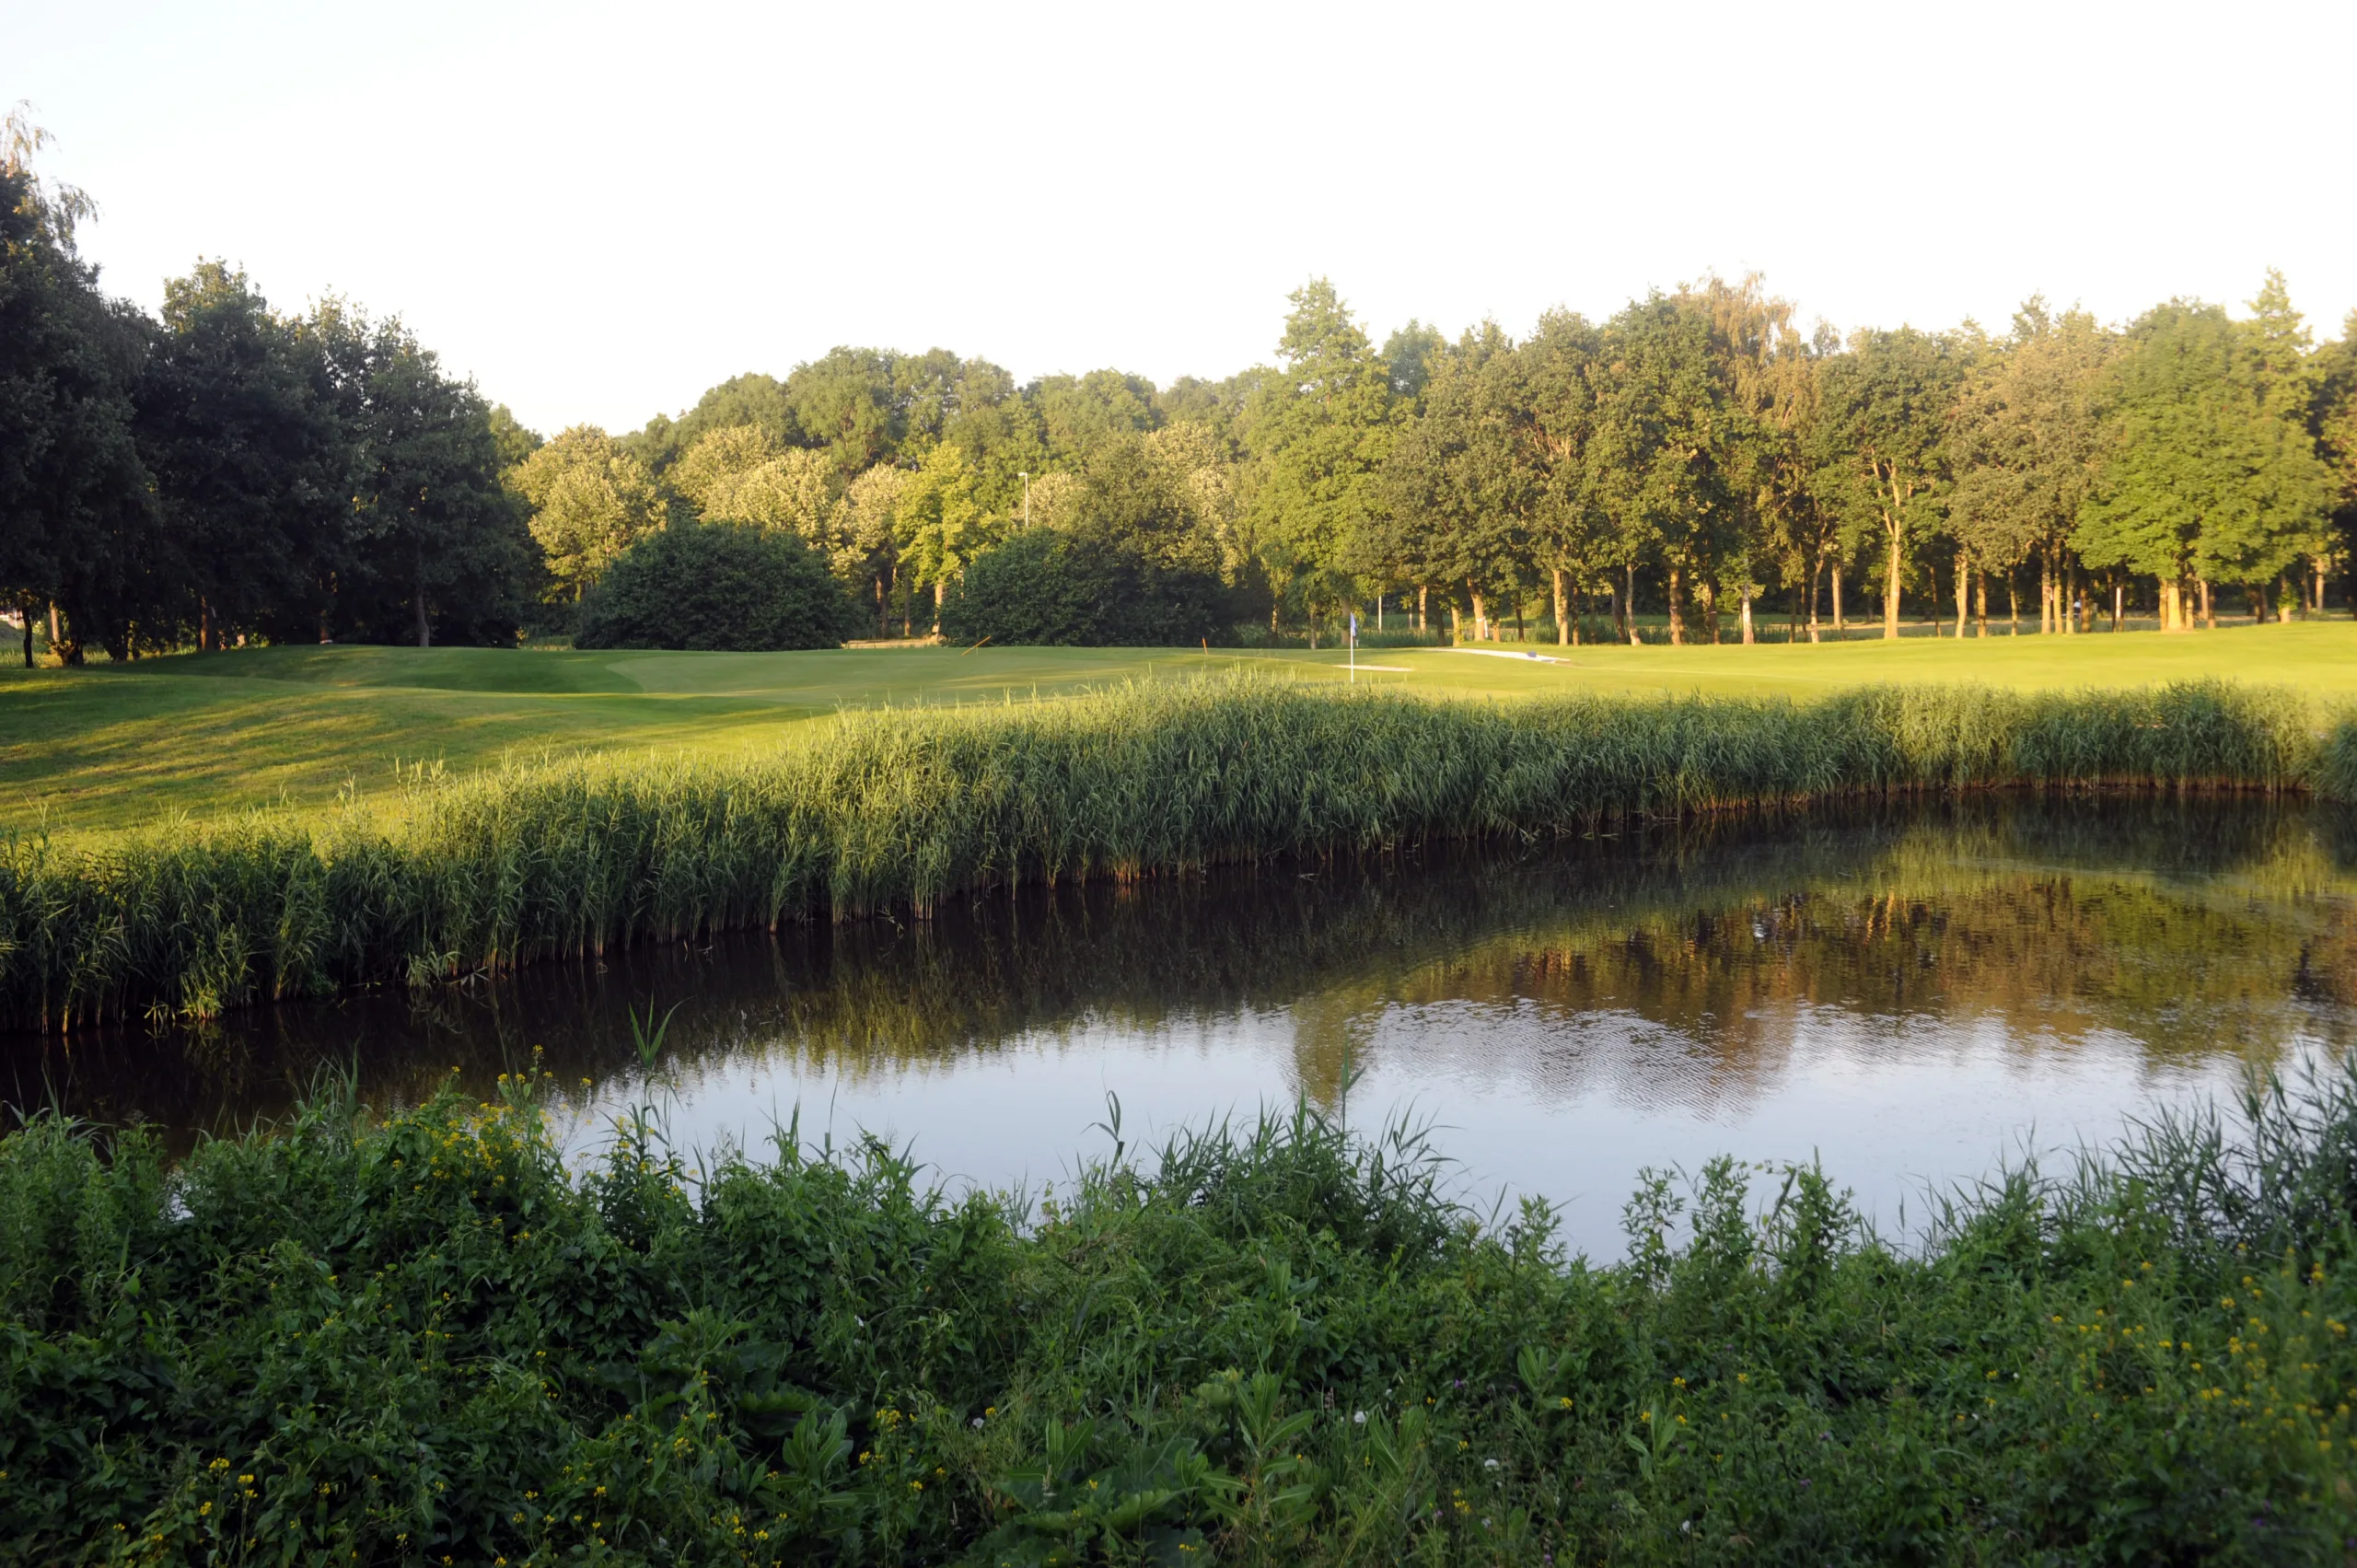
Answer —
112 747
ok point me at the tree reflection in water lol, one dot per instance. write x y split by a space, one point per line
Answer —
1690 969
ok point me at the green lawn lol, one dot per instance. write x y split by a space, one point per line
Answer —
113 746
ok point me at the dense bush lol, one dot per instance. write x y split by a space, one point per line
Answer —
425 1342
898 809
1046 587
725 586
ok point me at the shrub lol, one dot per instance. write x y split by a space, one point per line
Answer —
716 586
1048 588
429 1338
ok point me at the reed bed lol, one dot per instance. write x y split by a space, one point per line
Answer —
901 810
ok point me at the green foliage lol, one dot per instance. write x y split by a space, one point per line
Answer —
75 493
1046 587
1274 1342
716 586
2203 479
896 810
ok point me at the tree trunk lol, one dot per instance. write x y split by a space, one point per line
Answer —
323 626
2118 602
1677 610
1423 601
1746 616
424 630
1980 603
2046 596
25 612
2209 608
1455 626
1631 620
2013 599
1576 612
203 624
1562 613
56 631
1892 567
1963 593
1480 619
1812 604
2070 599
1521 633
1706 595
1838 629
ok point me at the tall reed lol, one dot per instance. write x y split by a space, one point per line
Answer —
577 857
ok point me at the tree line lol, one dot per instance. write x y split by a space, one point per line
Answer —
224 472
1697 456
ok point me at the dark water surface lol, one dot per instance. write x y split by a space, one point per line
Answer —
1914 996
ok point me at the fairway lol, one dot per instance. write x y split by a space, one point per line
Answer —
110 746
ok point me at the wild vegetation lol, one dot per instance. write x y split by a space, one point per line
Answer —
1698 457
2034 916
893 810
1272 1344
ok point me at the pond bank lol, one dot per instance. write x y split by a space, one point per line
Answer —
898 811
1279 1344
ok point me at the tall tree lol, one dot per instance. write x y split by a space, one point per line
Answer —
590 499
75 518
2027 444
1319 429
1882 424
440 547
743 475
940 523
1458 484
2335 420
240 422
1660 455
1555 396
2202 479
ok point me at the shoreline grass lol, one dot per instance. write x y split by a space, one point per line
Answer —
1277 1343
902 811
102 749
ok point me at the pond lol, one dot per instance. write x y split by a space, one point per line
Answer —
1914 996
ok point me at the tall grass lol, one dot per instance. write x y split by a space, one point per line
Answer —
902 810
1276 1344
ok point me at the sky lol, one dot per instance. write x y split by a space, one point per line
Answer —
599 211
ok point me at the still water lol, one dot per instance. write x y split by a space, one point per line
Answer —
1913 997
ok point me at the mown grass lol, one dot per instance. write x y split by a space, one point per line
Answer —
424 1340
109 748
901 810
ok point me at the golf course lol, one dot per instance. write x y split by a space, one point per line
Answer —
108 747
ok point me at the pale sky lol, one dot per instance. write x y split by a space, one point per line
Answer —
597 211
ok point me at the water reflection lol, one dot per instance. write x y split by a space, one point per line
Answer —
1910 994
